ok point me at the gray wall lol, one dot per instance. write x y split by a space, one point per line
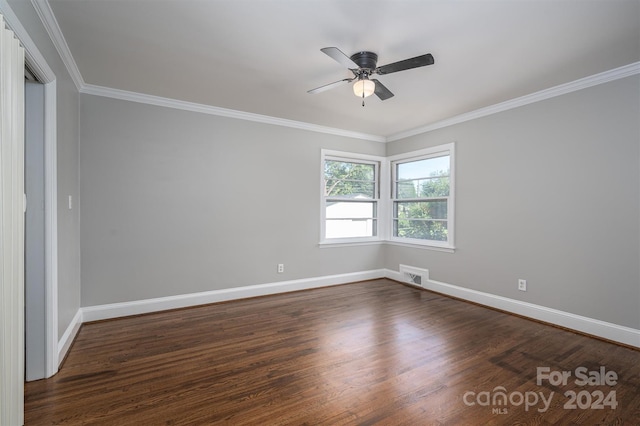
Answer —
68 166
547 192
178 202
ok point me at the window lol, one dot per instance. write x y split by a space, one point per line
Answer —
405 199
422 197
350 196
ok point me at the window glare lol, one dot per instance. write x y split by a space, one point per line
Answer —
350 228
437 166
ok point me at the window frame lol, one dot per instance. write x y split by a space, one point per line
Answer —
432 152
380 207
385 201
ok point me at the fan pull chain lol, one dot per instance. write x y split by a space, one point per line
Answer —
363 98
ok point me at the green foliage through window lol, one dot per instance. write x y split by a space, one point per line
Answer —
348 180
422 189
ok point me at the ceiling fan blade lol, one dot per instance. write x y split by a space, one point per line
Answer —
407 64
340 57
330 85
381 90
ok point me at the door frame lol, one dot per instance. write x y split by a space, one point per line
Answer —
43 72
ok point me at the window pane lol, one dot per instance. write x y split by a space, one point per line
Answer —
349 228
420 229
349 189
350 210
420 169
421 210
350 219
421 188
406 189
348 170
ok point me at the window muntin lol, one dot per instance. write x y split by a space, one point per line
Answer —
421 199
350 196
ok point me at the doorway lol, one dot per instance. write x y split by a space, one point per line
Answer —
35 263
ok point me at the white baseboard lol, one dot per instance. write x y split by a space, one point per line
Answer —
617 333
115 310
613 332
69 334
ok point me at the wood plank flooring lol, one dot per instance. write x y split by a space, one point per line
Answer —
374 352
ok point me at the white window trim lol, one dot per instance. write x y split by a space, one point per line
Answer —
436 151
380 209
385 203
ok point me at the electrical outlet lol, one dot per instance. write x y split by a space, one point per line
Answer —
522 285
280 268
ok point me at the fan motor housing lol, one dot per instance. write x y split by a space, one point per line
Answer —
366 60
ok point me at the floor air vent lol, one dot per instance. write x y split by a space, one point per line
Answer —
415 276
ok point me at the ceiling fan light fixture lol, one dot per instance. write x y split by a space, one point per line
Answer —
364 88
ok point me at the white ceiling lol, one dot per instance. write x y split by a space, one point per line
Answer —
261 56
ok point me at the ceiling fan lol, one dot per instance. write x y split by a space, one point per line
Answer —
363 65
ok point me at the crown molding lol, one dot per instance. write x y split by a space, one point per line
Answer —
43 9
222 112
562 89
49 21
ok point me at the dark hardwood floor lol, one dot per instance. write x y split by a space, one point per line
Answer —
374 352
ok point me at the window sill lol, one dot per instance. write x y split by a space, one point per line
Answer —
350 243
444 249
332 244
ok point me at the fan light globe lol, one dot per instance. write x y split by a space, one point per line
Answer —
364 86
